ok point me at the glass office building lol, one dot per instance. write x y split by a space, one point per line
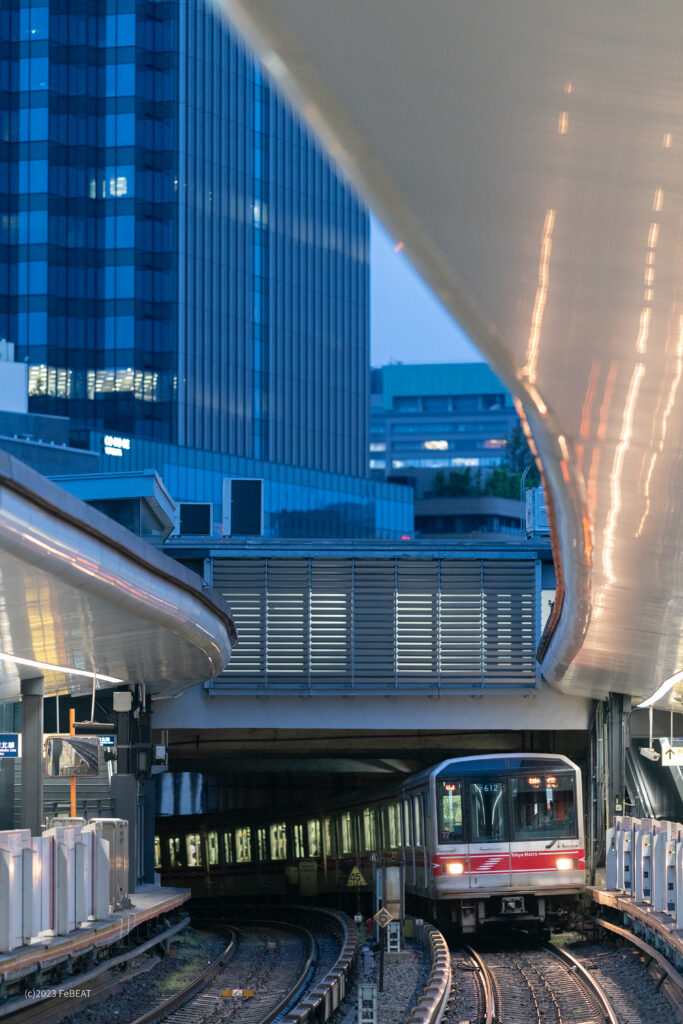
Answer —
180 261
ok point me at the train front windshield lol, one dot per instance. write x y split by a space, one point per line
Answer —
544 805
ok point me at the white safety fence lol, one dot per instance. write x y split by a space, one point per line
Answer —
645 860
57 882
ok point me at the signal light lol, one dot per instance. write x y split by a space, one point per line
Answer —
455 867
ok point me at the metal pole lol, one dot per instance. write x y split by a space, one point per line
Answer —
32 691
72 780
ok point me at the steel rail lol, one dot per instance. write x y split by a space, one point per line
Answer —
486 983
174 1002
588 980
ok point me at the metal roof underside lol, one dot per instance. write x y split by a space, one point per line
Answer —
528 156
81 592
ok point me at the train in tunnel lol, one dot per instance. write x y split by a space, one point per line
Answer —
482 840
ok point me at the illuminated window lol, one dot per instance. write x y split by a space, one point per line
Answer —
298 841
435 446
278 841
393 826
417 820
329 837
242 845
369 828
193 844
314 846
157 853
175 855
262 844
346 833
227 847
406 823
378 446
212 845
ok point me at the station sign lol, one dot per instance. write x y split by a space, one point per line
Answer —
107 742
10 744
672 751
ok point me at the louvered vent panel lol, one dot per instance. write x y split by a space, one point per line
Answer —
460 614
509 621
417 622
330 617
373 619
242 584
287 640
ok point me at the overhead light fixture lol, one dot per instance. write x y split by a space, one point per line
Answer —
58 668
667 685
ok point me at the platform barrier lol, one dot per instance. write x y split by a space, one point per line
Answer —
57 882
644 880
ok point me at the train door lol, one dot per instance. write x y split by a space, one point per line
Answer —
489 846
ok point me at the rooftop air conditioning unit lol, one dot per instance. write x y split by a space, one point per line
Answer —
194 519
242 507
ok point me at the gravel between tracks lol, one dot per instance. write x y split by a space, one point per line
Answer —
622 973
405 977
191 951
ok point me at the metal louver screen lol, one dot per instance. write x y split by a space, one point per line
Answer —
376 625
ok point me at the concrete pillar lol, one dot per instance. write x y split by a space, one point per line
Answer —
32 691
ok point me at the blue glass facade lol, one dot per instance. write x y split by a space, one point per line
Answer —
179 260
297 502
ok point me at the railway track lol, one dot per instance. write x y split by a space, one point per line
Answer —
259 975
537 986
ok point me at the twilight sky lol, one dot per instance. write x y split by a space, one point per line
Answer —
407 324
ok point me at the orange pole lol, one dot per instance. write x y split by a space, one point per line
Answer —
72 781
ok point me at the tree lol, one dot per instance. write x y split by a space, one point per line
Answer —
518 456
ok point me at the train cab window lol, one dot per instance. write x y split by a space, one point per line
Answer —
407 841
157 853
393 835
298 842
449 802
346 833
544 806
487 810
417 821
175 853
278 841
261 844
227 847
369 829
314 847
212 845
242 845
193 845
328 835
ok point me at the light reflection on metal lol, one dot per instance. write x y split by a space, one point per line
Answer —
563 123
662 691
67 670
673 394
529 371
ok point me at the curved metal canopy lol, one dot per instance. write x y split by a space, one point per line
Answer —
82 594
529 157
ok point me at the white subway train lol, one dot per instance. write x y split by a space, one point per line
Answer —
482 840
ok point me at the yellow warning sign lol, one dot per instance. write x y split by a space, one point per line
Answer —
355 879
237 993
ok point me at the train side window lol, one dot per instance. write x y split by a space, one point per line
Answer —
212 844
175 853
544 806
369 829
314 847
278 841
242 845
487 811
298 842
346 833
449 804
262 844
393 826
157 853
328 835
193 845
407 840
417 820
227 847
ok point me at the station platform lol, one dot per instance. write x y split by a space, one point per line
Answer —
45 953
641 916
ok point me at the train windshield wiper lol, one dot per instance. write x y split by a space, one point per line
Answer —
551 844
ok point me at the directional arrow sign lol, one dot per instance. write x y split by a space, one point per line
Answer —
383 917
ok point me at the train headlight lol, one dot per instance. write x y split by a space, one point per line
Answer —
565 863
455 867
